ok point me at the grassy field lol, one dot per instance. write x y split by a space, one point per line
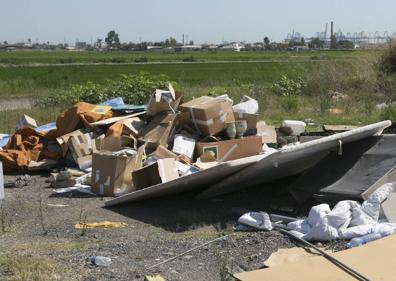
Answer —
351 72
65 57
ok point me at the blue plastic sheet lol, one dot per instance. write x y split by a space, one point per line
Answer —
113 102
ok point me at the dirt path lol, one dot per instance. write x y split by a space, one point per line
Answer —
16 103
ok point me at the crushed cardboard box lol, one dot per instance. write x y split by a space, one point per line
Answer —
209 115
163 170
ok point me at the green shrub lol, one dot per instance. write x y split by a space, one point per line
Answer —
141 59
288 87
387 62
389 113
134 89
218 91
189 59
290 103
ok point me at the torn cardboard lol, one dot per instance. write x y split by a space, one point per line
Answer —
159 130
163 100
163 170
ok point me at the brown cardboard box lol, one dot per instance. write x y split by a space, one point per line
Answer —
111 174
163 100
251 119
244 147
209 115
267 133
159 172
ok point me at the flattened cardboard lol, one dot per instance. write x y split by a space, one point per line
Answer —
163 170
209 115
111 174
375 260
246 146
251 119
267 133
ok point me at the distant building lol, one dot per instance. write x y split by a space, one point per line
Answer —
233 47
81 45
184 48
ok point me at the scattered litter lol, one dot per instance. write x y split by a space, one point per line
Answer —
57 205
103 224
100 261
154 278
22 181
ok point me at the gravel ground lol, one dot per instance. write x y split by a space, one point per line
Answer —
156 230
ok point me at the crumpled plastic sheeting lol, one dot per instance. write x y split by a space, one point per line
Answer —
347 220
256 220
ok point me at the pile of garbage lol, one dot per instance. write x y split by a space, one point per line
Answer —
113 148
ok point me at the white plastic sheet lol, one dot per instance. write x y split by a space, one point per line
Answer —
347 220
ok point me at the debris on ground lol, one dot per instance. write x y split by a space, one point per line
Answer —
207 147
102 224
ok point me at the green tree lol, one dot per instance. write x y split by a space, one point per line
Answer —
112 39
345 44
266 42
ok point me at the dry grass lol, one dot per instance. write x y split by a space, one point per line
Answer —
30 268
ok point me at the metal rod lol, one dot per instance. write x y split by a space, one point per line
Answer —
188 251
337 262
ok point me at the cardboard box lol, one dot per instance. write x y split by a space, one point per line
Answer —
111 174
163 170
236 148
209 115
163 100
26 121
251 119
161 128
267 133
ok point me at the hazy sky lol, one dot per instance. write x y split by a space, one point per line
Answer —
203 21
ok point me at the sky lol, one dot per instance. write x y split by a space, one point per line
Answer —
204 21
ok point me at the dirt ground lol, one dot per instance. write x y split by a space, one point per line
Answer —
40 242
